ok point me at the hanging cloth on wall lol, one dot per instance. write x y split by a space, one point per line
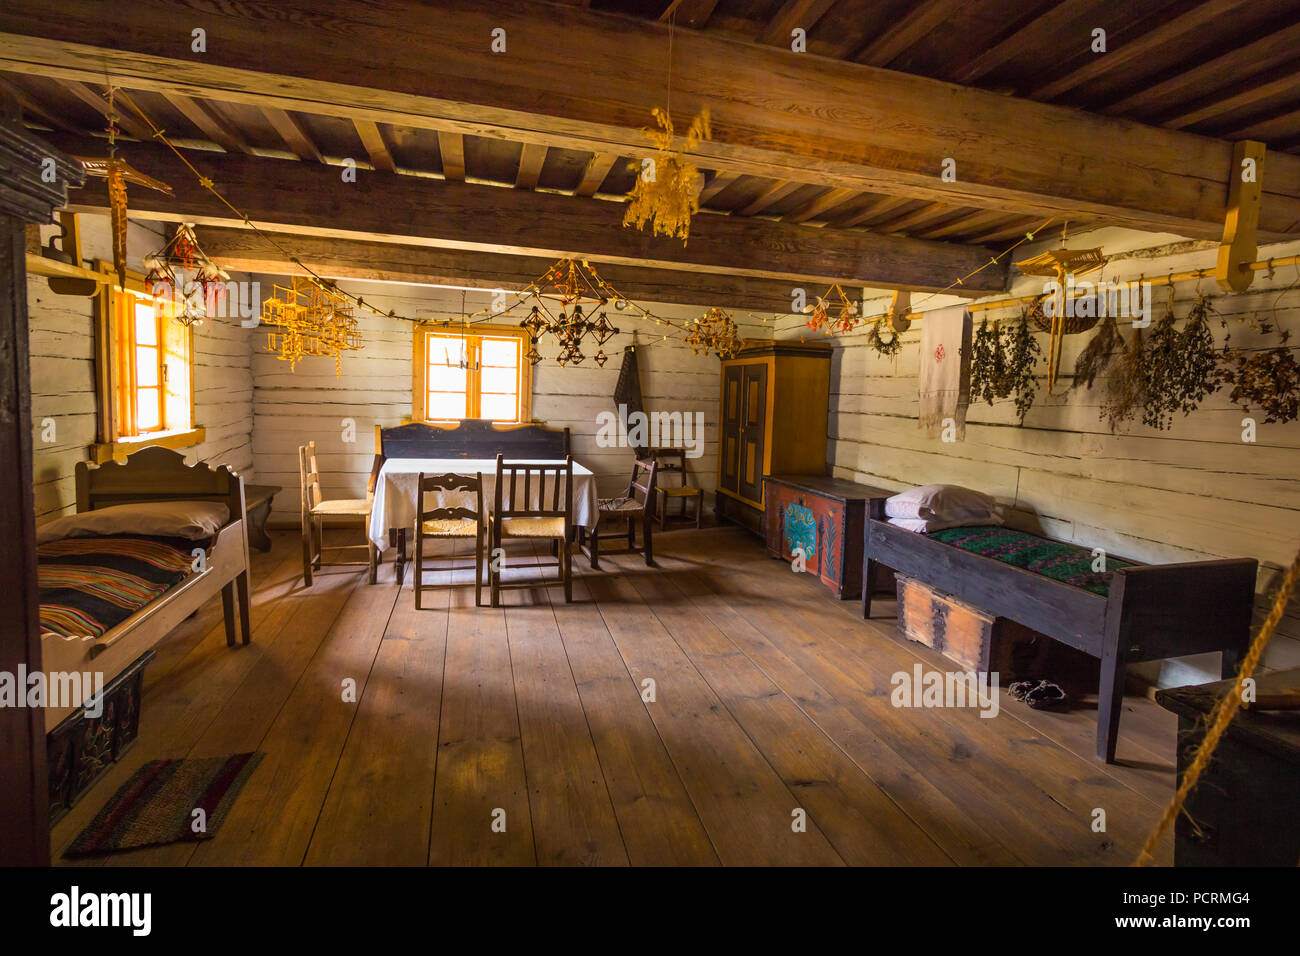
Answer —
627 393
945 369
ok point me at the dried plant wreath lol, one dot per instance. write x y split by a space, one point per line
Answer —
883 339
1179 366
1106 346
1002 364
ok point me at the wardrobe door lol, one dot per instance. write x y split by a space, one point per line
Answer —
732 411
753 430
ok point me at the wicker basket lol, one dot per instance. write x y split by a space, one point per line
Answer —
1070 324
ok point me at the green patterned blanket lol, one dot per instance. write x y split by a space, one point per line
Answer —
1053 559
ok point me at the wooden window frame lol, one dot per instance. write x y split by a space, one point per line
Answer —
115 364
419 364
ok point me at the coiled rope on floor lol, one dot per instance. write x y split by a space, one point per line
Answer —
1223 711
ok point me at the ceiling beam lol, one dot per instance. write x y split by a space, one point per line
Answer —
452 147
373 142
293 133
205 117
531 159
246 251
1012 154
393 207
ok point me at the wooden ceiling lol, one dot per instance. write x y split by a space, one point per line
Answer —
1220 68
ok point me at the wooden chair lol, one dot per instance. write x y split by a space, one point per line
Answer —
629 510
451 524
520 518
672 461
316 508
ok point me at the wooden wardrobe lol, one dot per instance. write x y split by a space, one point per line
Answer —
774 404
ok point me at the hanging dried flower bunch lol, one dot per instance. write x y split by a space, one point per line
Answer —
883 339
1106 346
1267 380
1179 366
714 331
667 190
834 312
1126 388
1002 364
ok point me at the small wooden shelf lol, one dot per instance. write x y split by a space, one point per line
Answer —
53 268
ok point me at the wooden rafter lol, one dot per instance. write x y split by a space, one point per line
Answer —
373 141
293 133
33 108
594 174
827 201
309 198
922 19
793 13
94 100
968 224
531 159
719 181
452 148
876 210
690 13
206 117
770 196
1257 88
1046 25
905 223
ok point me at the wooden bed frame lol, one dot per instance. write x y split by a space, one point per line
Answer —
1152 612
158 474
469 438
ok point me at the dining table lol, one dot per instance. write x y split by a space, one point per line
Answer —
394 510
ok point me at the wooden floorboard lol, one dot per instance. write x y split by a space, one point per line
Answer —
771 699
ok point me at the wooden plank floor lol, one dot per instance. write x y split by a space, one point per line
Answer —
715 709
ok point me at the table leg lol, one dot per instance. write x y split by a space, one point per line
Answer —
401 555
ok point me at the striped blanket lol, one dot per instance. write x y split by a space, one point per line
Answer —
90 585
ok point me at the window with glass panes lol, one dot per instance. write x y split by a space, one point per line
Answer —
482 375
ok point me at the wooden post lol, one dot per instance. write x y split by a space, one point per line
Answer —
899 306
1237 251
35 182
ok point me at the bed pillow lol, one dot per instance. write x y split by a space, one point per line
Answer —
944 503
192 520
926 525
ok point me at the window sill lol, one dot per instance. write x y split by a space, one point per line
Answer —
118 450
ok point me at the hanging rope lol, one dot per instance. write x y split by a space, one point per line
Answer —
1221 715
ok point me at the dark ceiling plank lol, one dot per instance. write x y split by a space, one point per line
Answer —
309 198
598 167
32 108
822 204
924 18
452 148
1268 51
793 13
719 182
877 210
1275 128
1012 154
206 118
293 133
373 141
968 225
906 222
770 196
1172 30
531 159
690 13
95 101
339 258
1046 25
1238 98
1017 229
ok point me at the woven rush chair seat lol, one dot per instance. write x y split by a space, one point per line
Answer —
450 521
533 500
342 506
621 504
672 469
316 507
532 527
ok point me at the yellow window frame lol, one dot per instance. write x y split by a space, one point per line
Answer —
473 349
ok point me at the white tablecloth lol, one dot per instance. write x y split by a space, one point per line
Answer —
398 477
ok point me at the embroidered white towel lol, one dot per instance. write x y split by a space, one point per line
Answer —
945 369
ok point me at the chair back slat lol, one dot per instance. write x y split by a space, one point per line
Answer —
647 484
309 476
464 484
558 476
671 461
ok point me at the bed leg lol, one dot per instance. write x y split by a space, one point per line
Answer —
1110 700
245 605
867 566
228 610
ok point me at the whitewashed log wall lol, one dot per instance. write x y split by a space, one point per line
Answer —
313 404
62 327
1195 491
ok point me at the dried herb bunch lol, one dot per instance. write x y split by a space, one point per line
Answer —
883 339
1180 366
1106 346
1002 364
1126 388
1267 380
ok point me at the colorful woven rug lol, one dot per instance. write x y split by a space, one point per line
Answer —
1052 559
157 805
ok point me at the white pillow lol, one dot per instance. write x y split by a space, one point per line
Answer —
926 525
193 520
941 503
